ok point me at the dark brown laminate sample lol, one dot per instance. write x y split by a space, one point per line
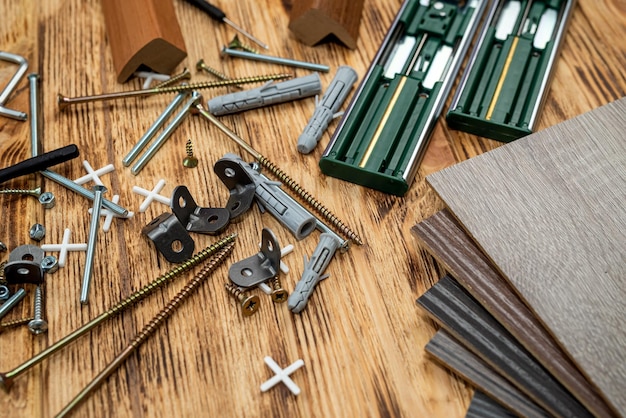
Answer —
445 239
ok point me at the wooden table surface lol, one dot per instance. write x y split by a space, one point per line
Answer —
361 336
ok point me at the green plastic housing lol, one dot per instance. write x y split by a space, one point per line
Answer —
504 87
384 132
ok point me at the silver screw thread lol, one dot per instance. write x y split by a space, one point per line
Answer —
38 311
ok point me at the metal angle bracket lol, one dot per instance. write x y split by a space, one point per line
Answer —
196 218
170 237
24 265
240 184
259 268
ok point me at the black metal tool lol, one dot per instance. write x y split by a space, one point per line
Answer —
217 14
40 162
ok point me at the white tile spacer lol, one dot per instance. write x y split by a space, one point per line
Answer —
64 247
149 77
282 375
94 174
152 195
108 215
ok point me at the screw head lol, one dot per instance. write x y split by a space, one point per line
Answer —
38 326
250 305
279 295
190 162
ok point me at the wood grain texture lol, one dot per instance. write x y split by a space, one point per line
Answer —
548 210
445 239
463 317
452 354
482 406
361 336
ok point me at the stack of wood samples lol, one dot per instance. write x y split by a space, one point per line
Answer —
540 243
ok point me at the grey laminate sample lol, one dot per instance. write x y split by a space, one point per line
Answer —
482 406
549 211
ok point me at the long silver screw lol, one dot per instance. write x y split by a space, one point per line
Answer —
38 325
166 133
275 60
91 243
12 301
34 192
152 130
67 183
34 99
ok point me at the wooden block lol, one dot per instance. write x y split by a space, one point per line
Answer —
455 310
482 406
313 21
548 209
463 362
444 238
143 33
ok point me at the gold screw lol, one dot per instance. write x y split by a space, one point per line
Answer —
201 66
237 44
185 75
249 304
279 295
34 192
190 160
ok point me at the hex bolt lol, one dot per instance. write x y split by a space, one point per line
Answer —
279 294
249 304
34 192
12 301
50 264
190 161
37 232
38 325
91 243
47 200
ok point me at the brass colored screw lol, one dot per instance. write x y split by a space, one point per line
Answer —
65 101
279 295
249 304
150 328
185 75
201 66
190 160
237 44
34 192
6 379
14 323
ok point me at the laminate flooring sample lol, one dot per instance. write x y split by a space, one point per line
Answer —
463 317
443 237
453 355
550 211
482 406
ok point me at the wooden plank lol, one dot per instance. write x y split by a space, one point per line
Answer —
444 238
452 354
548 211
482 406
455 310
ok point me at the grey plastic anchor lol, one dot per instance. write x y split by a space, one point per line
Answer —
329 105
313 271
268 94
